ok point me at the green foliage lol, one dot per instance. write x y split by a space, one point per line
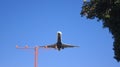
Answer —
109 12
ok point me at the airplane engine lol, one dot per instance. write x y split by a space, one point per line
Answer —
56 47
46 46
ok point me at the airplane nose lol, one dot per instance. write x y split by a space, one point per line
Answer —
59 32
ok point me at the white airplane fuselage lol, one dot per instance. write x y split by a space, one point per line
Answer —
59 43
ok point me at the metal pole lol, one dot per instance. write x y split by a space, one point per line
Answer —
36 53
36 57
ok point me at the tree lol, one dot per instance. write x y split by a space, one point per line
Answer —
109 12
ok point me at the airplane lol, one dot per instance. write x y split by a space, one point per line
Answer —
59 45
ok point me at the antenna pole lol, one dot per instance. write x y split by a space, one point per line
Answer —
36 53
36 57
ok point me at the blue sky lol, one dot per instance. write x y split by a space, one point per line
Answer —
35 22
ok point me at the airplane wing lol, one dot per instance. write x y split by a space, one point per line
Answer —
50 46
68 46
